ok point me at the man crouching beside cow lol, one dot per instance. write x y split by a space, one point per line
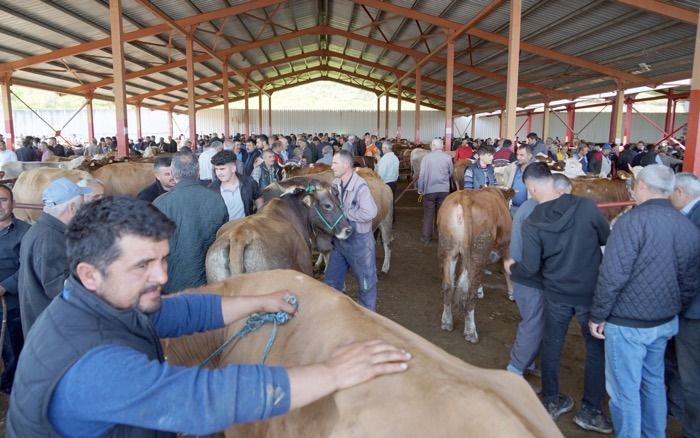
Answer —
114 380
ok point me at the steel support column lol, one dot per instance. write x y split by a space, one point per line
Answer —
386 116
260 117
398 114
246 109
501 124
691 162
449 92
7 111
529 122
90 119
570 121
627 136
119 72
416 113
669 114
617 117
191 109
170 124
545 120
227 114
513 63
673 116
473 133
379 114
139 132
269 114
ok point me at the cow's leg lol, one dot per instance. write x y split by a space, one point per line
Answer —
320 261
449 263
385 230
475 274
480 292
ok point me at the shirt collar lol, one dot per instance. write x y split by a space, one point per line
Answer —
687 209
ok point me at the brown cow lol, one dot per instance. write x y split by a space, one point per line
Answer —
125 178
291 170
602 190
278 236
30 185
474 228
439 395
383 197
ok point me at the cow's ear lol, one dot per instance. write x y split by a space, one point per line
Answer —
308 200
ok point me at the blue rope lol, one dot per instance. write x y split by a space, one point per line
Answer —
254 322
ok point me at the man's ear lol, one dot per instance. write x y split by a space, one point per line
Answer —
89 275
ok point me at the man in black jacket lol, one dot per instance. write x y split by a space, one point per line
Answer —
42 259
11 232
561 242
649 274
241 193
164 180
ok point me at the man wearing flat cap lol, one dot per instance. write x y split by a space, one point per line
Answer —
43 265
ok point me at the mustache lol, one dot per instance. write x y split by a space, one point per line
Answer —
154 288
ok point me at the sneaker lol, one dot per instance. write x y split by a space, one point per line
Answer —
557 408
593 420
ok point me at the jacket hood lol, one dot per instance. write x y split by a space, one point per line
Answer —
555 216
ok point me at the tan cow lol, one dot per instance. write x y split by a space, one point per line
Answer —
474 228
278 236
30 186
384 220
125 178
603 190
13 169
439 395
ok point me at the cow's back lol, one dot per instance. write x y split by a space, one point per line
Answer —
125 178
439 395
30 185
602 190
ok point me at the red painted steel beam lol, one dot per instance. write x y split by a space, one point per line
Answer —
139 132
191 109
627 137
450 75
666 9
90 119
246 110
379 113
7 111
170 124
225 91
398 113
119 88
137 34
269 115
416 123
691 161
386 116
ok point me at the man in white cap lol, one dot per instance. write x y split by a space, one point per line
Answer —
43 265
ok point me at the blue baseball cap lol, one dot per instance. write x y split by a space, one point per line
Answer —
62 190
606 146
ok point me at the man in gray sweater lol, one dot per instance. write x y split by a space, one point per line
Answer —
434 185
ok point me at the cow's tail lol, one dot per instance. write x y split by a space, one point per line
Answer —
463 274
218 261
238 244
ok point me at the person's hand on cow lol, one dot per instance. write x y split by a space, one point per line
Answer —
349 365
236 308
597 330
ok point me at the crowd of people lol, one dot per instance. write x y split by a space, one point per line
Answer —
629 301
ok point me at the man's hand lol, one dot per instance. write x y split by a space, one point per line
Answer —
597 330
507 264
235 308
275 302
349 365
258 161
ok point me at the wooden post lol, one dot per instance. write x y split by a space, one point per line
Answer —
513 63
118 69
227 114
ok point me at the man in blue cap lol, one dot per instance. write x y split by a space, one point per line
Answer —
43 266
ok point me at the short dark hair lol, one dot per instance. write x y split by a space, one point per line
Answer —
527 147
185 166
483 150
263 138
533 135
507 143
537 171
223 157
162 162
346 156
9 190
93 233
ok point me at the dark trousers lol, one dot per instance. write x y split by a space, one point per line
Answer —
557 317
12 345
431 205
688 355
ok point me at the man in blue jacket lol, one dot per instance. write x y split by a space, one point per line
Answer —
93 365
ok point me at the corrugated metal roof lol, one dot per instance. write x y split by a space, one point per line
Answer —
600 31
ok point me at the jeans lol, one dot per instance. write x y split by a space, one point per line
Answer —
528 339
688 355
12 345
358 254
556 323
392 186
431 205
634 366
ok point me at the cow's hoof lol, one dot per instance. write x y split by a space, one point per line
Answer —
510 296
473 338
382 275
447 327
480 292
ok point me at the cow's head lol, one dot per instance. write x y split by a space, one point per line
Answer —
325 212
